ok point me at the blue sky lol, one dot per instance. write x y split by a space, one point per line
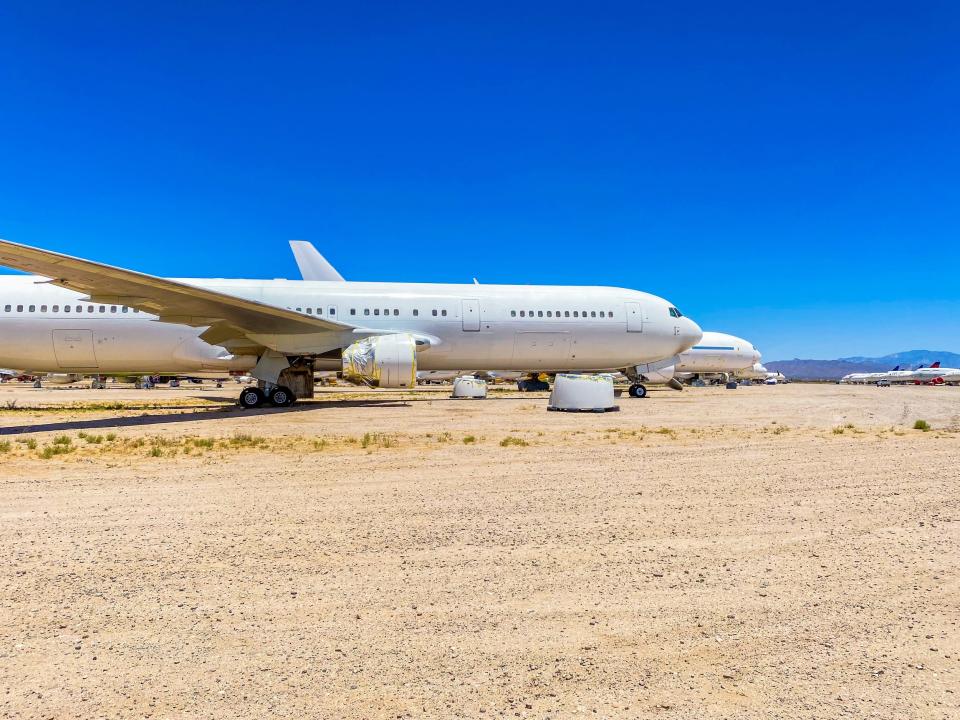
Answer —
789 173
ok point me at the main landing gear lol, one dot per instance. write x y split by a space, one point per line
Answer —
279 396
637 391
532 383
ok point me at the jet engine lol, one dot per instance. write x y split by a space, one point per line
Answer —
388 361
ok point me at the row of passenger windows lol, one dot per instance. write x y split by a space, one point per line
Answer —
69 308
566 313
395 312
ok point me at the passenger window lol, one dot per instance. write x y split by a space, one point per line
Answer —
135 310
124 309
576 314
89 308
113 308
513 313
549 313
333 311
319 311
416 312
353 311
593 313
6 308
396 312
434 312
539 313
19 308
299 309
443 312
43 308
103 308
309 311
56 308
601 313
523 313
566 313
66 308
376 311
366 311
609 313
33 308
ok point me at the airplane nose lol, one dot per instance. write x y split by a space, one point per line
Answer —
690 334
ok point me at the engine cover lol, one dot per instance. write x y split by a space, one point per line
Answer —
388 361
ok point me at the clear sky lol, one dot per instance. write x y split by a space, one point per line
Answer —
786 172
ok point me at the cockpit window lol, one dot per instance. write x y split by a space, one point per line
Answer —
675 313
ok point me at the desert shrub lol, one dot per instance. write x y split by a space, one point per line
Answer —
511 440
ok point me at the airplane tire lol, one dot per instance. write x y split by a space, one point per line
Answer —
251 397
282 396
637 391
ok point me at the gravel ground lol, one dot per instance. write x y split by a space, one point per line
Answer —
783 551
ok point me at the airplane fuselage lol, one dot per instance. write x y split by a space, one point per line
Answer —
46 328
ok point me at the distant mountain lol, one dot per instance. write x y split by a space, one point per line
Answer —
914 358
836 369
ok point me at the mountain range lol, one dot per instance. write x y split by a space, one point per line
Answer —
836 369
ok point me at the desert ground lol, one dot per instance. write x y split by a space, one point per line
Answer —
771 551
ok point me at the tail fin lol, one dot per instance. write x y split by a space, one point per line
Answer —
936 364
895 369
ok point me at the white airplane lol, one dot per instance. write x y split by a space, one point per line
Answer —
864 378
933 374
759 372
87 317
716 354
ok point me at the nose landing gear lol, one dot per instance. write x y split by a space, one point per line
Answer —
637 391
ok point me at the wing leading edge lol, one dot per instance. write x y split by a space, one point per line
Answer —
172 301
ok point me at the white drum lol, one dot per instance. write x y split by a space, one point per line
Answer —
469 386
582 393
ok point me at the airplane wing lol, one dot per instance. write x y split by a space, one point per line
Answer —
176 302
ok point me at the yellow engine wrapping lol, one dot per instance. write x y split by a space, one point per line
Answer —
388 361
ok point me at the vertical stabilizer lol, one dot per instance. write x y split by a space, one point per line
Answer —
313 265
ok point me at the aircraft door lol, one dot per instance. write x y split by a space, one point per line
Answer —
470 313
74 348
634 317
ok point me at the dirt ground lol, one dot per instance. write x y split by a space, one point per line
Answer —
786 551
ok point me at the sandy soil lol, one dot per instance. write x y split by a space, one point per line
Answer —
783 551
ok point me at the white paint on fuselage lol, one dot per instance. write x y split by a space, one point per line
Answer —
546 336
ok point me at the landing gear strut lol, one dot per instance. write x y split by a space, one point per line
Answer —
637 391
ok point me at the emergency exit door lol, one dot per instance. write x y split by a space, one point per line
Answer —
470 314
